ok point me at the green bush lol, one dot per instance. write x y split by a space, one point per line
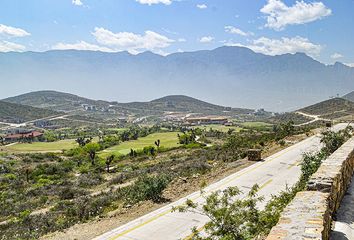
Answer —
333 140
147 188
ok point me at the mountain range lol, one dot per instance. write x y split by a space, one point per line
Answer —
228 76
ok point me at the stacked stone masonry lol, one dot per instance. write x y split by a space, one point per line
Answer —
309 215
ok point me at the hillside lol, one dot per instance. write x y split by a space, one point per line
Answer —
349 96
15 113
289 117
229 76
180 103
331 109
53 100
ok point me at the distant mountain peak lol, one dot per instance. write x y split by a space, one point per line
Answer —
237 76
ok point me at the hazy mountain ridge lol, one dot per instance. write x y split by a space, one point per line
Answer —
230 76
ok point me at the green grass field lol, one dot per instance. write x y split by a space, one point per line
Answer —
168 140
219 127
41 146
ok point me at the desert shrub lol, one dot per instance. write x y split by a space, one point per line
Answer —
69 192
281 142
84 169
200 167
51 170
149 151
333 140
89 179
86 207
78 151
119 179
187 138
147 188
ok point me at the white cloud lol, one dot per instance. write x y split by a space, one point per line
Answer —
281 46
151 2
82 45
350 64
131 42
6 46
161 52
336 56
202 6
77 2
182 40
234 30
280 15
206 39
8 31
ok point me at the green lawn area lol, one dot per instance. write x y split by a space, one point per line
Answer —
41 146
218 127
168 140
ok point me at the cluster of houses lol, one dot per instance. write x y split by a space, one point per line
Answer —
45 124
195 121
189 120
94 108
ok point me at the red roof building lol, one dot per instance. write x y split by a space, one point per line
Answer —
19 136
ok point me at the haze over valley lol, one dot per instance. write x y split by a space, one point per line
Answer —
237 76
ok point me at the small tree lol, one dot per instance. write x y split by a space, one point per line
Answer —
187 138
231 217
230 131
133 153
109 161
91 149
82 141
157 143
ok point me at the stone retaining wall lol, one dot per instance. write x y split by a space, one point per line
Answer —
309 215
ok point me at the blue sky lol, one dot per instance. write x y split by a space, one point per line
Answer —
322 29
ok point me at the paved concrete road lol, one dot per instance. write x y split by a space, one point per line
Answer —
272 175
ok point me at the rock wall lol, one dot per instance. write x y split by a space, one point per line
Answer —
309 215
